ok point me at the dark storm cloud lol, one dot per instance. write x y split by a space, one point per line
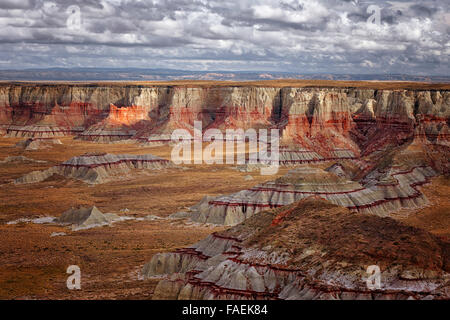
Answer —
15 4
282 35
423 11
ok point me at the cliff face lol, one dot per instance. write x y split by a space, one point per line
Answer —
71 106
320 119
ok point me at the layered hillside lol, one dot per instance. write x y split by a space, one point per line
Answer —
309 250
382 193
319 119
97 168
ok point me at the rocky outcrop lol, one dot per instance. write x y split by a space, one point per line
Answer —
120 124
98 168
293 156
37 143
18 159
36 131
83 217
318 119
73 108
87 218
285 254
105 134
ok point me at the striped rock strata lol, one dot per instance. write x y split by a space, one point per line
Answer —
309 250
383 193
36 131
317 119
293 156
98 168
120 124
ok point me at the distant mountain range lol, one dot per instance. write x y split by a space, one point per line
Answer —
136 74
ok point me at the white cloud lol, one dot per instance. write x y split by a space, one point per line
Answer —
309 36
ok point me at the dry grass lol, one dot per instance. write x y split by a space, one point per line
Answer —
110 258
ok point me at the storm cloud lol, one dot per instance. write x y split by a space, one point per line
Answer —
330 36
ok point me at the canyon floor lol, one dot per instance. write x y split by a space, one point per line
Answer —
34 263
111 258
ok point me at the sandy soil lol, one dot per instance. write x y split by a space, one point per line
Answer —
436 216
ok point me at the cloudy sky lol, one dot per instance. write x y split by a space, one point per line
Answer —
330 36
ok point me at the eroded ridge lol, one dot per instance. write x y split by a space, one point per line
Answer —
36 131
98 168
381 193
310 250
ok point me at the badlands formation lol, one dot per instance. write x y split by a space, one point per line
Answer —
310 250
382 193
97 168
85 218
37 143
357 156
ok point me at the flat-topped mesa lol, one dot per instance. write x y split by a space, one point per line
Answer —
284 254
95 168
320 119
292 156
382 194
295 156
105 135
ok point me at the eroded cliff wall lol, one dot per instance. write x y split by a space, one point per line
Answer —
321 119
